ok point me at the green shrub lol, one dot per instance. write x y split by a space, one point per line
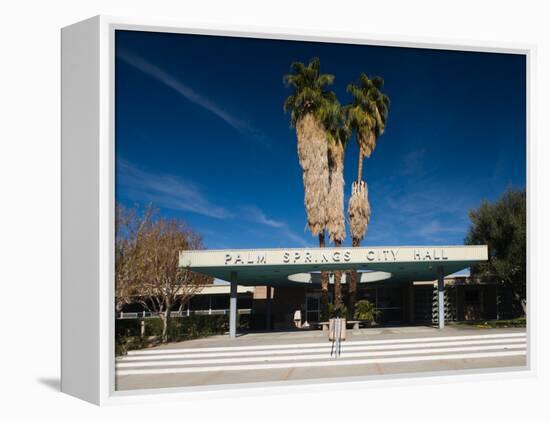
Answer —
517 322
365 311
153 326
334 312
128 331
183 328
127 327
123 344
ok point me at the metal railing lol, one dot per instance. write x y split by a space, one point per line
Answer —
184 313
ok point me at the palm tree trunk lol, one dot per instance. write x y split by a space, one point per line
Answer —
352 291
313 157
360 166
324 283
337 284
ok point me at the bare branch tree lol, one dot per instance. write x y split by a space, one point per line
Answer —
147 266
125 246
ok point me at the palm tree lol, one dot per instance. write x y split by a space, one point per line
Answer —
338 134
367 116
308 106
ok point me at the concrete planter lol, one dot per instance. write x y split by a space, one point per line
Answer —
337 329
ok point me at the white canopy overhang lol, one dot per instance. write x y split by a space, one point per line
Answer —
300 266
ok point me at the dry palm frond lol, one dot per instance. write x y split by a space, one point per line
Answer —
359 210
335 202
312 153
367 142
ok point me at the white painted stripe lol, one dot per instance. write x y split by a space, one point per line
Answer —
320 349
325 356
331 363
317 344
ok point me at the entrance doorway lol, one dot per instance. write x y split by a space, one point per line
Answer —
313 307
388 300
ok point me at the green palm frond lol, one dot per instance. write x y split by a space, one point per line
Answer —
309 90
335 120
377 82
368 111
325 80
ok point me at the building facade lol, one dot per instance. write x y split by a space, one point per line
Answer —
404 303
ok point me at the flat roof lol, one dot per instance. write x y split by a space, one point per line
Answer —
294 266
222 289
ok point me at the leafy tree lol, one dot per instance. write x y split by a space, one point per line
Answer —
502 226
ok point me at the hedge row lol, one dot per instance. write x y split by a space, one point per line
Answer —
128 331
517 322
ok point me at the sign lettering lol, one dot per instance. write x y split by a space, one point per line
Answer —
360 256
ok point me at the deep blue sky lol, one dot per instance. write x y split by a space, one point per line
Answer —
201 133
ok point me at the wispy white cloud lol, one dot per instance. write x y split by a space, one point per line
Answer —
296 239
417 208
172 192
256 215
434 229
190 94
166 191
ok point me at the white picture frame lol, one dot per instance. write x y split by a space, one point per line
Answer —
88 210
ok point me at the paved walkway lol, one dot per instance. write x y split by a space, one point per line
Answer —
300 355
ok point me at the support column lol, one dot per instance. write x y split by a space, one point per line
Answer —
410 292
440 297
233 306
268 308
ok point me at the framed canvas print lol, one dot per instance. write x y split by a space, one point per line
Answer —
246 209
